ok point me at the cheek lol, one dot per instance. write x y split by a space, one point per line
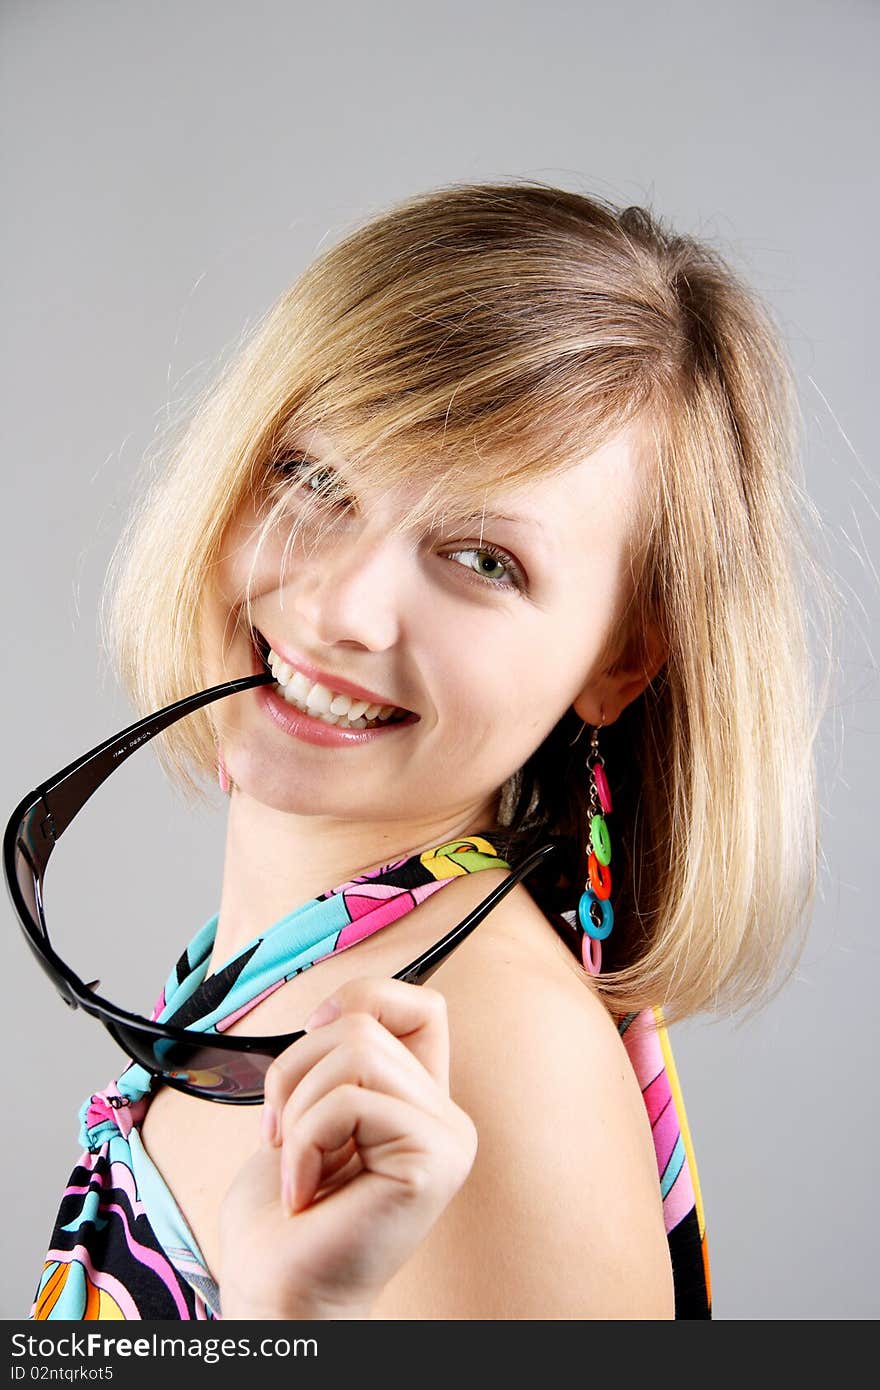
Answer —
502 683
236 565
222 612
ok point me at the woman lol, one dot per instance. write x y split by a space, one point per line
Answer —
503 493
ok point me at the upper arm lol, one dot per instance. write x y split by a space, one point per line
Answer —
561 1215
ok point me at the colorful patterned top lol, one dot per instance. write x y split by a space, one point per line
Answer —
121 1247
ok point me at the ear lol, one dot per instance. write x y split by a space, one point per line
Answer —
610 691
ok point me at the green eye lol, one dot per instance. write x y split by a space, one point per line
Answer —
315 481
318 481
495 566
489 566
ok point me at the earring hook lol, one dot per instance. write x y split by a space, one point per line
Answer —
573 741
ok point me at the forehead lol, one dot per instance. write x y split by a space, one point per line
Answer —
599 491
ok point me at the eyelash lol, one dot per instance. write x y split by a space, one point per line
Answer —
513 569
289 466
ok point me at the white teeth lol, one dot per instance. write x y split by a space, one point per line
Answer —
322 703
318 699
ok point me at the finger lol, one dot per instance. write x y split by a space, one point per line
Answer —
336 1161
412 1014
415 1014
362 1061
356 1033
340 1174
395 1140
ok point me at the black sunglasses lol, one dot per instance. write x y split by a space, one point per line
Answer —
228 1068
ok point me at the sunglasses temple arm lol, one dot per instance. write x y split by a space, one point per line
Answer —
66 793
44 814
424 966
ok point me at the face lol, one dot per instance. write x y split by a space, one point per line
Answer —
486 635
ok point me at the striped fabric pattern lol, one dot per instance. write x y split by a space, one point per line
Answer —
647 1044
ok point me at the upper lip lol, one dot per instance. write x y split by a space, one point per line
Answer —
331 682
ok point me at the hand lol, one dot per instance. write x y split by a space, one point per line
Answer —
362 1151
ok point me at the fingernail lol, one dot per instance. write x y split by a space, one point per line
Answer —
268 1125
325 1013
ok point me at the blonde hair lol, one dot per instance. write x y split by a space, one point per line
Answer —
504 332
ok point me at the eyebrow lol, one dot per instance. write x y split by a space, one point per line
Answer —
530 523
500 516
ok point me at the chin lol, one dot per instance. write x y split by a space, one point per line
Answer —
263 779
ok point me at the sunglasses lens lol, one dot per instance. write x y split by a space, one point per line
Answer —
27 884
198 1068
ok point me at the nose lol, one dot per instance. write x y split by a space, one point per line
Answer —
351 590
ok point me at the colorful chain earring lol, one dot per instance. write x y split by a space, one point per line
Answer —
595 912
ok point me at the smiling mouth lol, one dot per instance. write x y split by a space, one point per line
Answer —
321 701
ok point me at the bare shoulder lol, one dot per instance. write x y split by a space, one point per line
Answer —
561 1216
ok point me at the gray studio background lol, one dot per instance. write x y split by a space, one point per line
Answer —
167 171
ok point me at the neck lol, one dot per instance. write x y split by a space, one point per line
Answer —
276 861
